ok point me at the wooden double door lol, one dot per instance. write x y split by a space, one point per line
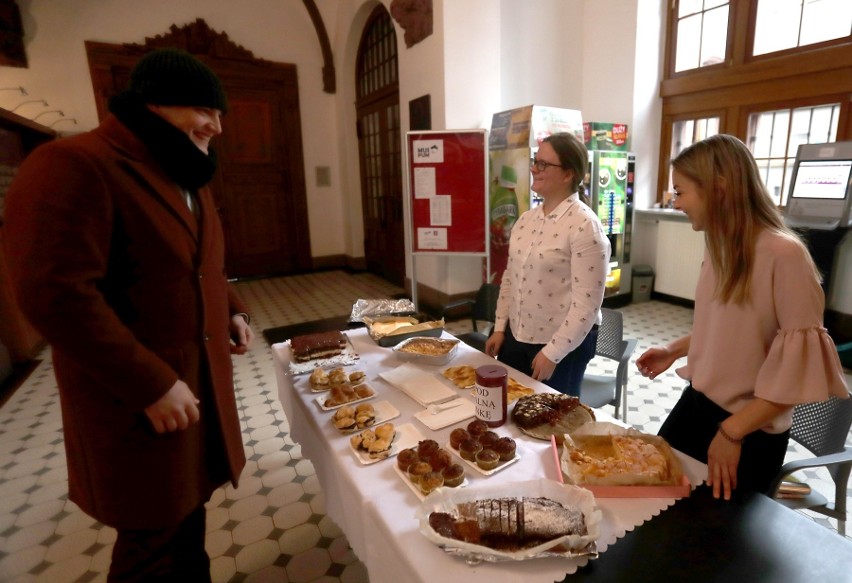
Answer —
260 184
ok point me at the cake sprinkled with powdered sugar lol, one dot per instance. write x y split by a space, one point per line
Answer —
509 523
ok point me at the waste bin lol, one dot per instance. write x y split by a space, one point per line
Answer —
643 283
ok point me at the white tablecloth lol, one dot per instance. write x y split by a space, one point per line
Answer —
375 508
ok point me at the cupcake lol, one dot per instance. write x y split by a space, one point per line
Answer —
440 460
430 482
487 459
488 439
469 448
453 475
427 447
477 427
458 435
417 470
505 448
407 457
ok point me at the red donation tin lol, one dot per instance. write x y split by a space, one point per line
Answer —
491 394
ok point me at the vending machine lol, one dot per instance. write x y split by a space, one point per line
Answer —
610 185
610 182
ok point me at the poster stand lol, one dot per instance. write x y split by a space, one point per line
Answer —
447 204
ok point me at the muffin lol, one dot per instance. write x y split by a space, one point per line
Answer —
417 470
505 448
407 457
469 448
427 447
458 435
488 439
477 427
453 475
440 460
487 459
430 482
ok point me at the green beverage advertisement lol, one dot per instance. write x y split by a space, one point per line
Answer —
509 196
612 191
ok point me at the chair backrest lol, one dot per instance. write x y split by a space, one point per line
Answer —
822 427
485 305
610 334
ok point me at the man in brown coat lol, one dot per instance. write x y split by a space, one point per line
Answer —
117 257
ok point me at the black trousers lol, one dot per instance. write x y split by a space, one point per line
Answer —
693 424
168 555
568 374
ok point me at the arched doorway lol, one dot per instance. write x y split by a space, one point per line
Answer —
379 148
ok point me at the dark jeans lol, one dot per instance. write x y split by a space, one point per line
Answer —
693 424
567 375
168 555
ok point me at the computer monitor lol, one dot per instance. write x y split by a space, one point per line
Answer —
821 186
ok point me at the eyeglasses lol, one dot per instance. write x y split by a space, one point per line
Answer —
541 165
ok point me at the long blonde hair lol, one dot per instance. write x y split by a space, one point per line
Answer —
737 207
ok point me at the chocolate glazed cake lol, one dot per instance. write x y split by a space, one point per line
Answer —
318 345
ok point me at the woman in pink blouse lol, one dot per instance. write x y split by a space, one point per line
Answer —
548 309
758 346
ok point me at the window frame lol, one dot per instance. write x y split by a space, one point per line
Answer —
797 77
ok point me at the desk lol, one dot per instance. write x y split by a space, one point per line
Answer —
701 539
376 509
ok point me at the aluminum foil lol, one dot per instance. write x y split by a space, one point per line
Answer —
380 307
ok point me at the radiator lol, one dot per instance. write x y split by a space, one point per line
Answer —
680 251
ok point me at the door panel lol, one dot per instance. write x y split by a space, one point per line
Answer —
259 186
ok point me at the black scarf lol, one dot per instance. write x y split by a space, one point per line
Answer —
179 157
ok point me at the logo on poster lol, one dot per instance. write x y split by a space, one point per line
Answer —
428 151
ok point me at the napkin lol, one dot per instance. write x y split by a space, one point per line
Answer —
465 410
424 387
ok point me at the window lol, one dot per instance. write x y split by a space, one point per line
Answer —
774 101
702 33
774 138
786 24
687 132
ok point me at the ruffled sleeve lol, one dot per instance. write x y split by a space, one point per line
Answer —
802 366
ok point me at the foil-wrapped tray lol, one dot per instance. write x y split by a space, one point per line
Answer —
445 500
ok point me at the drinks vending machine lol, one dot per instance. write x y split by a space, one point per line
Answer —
610 182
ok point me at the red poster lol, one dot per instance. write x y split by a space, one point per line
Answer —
447 175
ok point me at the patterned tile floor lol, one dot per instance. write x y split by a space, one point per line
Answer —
273 528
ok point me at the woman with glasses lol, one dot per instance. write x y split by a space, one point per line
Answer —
548 310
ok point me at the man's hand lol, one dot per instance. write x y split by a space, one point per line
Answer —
241 335
174 411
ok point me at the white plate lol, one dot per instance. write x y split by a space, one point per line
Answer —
326 388
406 436
384 413
321 399
422 386
416 490
466 410
500 466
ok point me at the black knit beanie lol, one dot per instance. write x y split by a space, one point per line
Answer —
174 77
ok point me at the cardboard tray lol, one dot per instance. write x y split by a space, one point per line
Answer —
680 490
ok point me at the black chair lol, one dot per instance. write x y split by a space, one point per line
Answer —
482 309
822 428
600 390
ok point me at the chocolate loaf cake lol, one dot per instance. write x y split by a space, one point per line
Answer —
318 345
509 523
